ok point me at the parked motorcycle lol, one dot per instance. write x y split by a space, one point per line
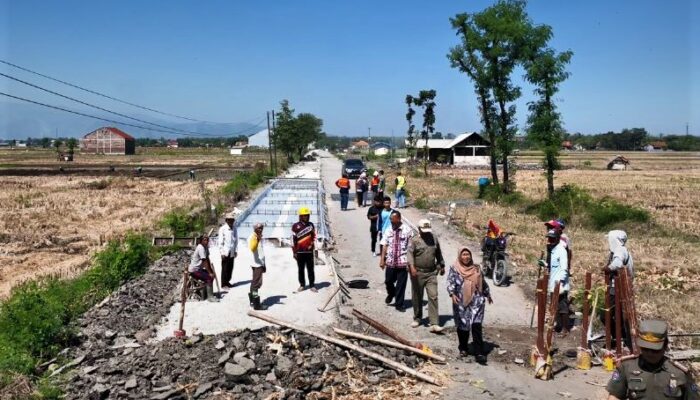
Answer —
495 259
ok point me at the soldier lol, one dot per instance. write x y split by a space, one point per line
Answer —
651 375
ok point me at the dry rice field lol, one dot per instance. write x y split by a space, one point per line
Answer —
52 225
666 251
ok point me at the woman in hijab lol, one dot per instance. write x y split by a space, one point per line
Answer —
469 291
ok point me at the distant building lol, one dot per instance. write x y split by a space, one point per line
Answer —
381 148
172 143
237 150
567 145
108 140
466 149
658 145
360 145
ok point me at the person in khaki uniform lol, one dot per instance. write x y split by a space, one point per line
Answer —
425 262
651 375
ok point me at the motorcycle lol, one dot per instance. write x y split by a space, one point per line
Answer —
495 259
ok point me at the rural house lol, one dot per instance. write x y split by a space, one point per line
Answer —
381 148
360 145
466 149
108 140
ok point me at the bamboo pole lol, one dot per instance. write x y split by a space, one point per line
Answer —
342 343
586 311
552 315
323 309
541 313
183 299
383 329
389 343
632 317
618 317
607 311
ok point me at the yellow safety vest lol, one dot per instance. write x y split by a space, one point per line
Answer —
401 182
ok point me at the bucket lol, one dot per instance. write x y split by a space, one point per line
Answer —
583 359
484 181
608 361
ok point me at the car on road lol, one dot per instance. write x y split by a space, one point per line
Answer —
353 167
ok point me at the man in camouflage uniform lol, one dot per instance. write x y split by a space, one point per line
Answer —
651 375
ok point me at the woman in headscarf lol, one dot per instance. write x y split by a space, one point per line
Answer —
469 291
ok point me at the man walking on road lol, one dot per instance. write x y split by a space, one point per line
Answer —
384 220
424 263
344 185
228 245
382 184
373 217
303 239
400 182
255 245
394 260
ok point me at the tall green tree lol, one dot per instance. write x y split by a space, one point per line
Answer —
547 70
284 132
411 137
57 144
426 100
308 129
71 143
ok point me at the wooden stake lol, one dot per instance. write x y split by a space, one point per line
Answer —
552 315
342 343
618 317
390 343
183 299
607 311
323 309
541 313
586 311
383 329
633 323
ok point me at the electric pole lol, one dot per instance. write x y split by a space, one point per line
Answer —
274 134
269 141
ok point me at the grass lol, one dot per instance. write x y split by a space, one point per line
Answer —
36 321
243 182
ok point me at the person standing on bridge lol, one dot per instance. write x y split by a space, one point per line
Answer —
469 292
424 263
394 260
255 244
304 239
228 245
344 185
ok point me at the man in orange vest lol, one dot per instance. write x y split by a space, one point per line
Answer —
344 185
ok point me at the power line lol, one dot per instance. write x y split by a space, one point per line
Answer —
104 109
114 121
101 94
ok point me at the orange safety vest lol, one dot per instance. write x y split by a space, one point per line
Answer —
343 183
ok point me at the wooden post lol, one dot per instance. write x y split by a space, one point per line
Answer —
552 315
342 343
183 299
618 317
541 313
607 311
586 311
323 309
631 311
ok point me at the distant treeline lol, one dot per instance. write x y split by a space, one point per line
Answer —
634 139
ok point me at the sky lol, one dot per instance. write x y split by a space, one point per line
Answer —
635 63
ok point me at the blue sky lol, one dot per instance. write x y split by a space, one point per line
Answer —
636 63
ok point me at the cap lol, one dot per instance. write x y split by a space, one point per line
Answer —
424 225
552 233
376 173
231 215
553 223
652 334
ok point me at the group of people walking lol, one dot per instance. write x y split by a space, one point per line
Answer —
364 185
303 237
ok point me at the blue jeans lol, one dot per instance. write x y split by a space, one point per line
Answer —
344 200
401 198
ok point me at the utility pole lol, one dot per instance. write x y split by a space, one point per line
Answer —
269 141
687 129
369 142
274 134
393 144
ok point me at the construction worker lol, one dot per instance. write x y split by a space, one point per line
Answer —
344 185
303 239
424 263
228 245
559 273
618 259
400 182
200 267
559 226
360 189
374 185
382 184
651 375
255 245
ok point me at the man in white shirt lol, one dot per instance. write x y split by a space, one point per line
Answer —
559 273
255 244
228 243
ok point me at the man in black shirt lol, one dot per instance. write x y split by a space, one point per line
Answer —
373 217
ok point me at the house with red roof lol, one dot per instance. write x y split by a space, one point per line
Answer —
108 140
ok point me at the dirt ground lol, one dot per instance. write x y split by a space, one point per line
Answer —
52 225
506 329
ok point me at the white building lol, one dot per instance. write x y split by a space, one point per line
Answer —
260 139
468 148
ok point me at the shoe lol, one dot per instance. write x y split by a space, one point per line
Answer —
210 295
300 289
480 358
256 304
389 298
313 289
415 324
436 329
400 309
250 299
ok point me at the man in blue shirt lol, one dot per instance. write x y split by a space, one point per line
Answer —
559 273
384 220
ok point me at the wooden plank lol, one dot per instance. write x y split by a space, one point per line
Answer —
383 329
390 343
342 343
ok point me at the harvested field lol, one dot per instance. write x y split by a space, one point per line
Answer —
51 225
666 250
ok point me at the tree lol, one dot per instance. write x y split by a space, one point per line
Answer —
57 144
45 142
426 99
546 70
494 42
308 130
284 132
437 135
72 143
410 134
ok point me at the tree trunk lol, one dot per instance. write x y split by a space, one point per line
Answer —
550 174
426 157
503 122
491 134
